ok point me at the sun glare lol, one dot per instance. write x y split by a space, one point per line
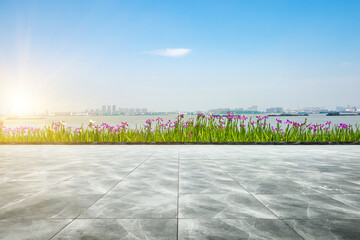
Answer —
19 105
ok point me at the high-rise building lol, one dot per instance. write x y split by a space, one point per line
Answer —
220 110
114 109
253 108
103 111
109 110
275 110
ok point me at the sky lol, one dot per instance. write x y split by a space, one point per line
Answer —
178 55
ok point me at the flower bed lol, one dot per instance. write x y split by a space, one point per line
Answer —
206 129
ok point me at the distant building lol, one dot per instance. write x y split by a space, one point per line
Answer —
253 108
275 110
220 110
340 109
109 110
351 108
103 111
114 109
123 110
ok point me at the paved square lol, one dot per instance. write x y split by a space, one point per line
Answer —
179 192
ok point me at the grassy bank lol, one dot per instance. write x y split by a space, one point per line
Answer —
200 129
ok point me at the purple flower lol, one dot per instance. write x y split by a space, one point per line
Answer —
344 126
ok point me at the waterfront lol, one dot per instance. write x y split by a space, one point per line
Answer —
133 121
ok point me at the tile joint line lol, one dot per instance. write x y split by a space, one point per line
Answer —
178 197
258 200
102 196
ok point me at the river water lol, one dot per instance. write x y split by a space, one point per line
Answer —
133 121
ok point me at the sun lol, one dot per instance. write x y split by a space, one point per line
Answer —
19 104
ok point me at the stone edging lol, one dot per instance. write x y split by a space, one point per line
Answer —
180 143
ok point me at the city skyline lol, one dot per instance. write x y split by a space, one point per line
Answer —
120 110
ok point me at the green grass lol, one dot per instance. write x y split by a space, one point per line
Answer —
200 129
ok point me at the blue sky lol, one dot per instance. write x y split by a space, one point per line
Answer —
184 55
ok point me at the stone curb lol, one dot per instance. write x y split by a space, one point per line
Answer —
180 143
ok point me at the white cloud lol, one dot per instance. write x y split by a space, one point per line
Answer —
345 64
170 52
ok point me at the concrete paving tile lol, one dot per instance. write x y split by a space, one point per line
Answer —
139 204
157 229
208 186
331 186
6 176
290 206
229 189
276 186
31 229
230 205
325 229
82 186
100 174
11 198
200 168
234 229
352 200
147 174
268 183
315 176
169 186
49 206
167 167
48 176
24 187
